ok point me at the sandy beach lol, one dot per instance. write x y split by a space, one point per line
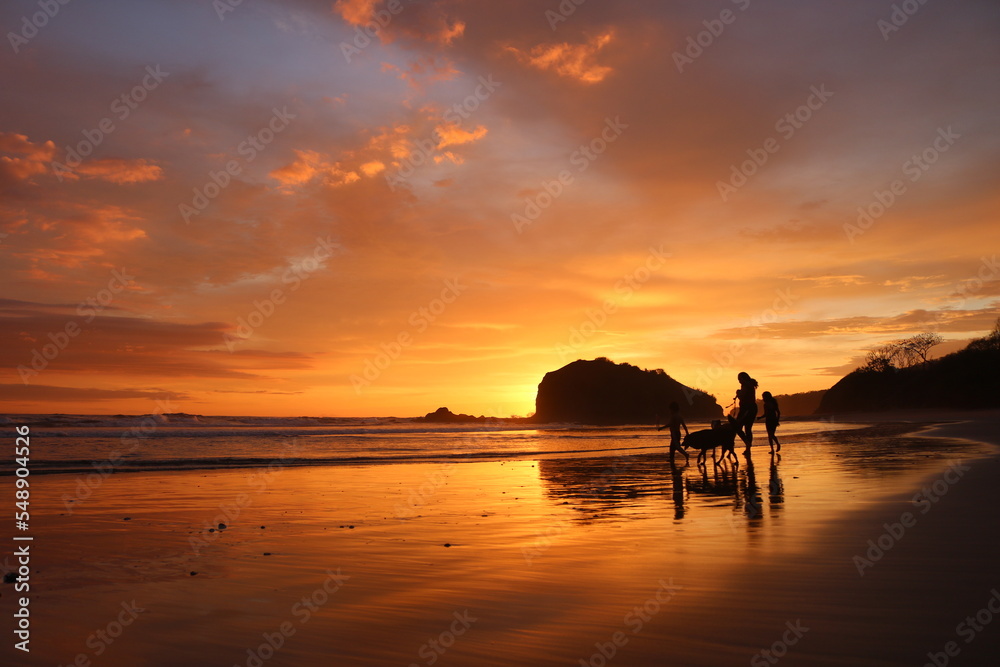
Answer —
564 561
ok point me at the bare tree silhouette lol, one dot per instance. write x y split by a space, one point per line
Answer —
902 353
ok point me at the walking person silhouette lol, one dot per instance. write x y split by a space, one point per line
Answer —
675 422
747 397
772 418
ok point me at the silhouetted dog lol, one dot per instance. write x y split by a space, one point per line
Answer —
720 435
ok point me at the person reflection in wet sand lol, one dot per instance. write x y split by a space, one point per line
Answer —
675 422
775 487
677 481
747 397
772 418
751 493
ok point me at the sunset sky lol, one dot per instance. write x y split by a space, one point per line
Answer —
481 193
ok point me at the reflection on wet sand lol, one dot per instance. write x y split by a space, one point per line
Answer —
776 488
630 486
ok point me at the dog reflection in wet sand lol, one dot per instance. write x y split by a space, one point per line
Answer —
720 435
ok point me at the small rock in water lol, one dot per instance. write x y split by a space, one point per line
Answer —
267 553
9 578
128 518
193 573
447 544
263 527
351 527
222 526
211 530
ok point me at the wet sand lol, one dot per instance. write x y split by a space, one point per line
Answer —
605 561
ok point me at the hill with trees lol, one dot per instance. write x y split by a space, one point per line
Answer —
900 375
797 405
602 392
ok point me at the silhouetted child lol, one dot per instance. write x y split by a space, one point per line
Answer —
771 417
675 422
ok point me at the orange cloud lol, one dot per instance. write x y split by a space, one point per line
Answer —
450 33
121 172
450 134
33 158
372 168
448 155
394 140
428 69
309 165
355 12
575 61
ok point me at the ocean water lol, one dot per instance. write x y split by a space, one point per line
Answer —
82 443
550 536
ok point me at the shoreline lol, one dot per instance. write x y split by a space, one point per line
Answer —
909 604
551 557
107 466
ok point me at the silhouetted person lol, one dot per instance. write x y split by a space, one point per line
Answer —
772 418
747 397
675 422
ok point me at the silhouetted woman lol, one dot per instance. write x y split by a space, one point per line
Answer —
747 397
